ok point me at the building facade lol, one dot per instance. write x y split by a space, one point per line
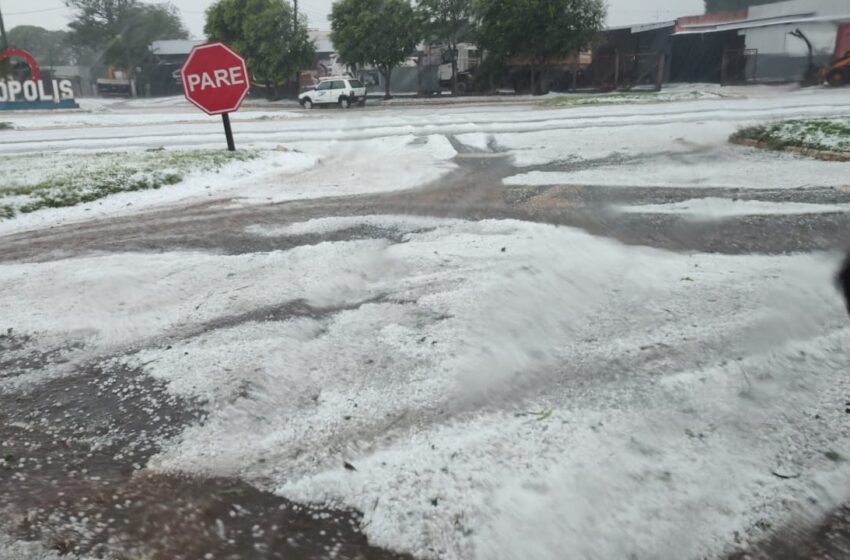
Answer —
782 56
767 43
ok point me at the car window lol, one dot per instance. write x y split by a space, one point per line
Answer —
339 84
324 85
355 84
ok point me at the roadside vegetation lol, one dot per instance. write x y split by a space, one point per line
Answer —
538 32
383 33
270 34
54 181
627 98
829 138
114 33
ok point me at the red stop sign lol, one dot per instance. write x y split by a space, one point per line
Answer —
215 79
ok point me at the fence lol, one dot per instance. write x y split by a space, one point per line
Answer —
740 66
628 71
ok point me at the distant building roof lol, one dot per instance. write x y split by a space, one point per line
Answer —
786 13
713 18
174 47
322 39
761 22
68 71
652 26
643 27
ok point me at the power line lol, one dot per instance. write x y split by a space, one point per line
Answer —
35 11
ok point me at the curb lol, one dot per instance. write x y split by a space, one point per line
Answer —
823 155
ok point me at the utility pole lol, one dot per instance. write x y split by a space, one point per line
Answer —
5 42
294 36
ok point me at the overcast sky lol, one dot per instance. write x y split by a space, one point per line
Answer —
53 14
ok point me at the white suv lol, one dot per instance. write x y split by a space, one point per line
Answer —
335 90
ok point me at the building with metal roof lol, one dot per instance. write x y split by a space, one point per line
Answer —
766 43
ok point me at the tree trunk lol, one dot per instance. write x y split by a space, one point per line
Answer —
454 75
544 76
533 78
131 75
388 74
454 68
574 84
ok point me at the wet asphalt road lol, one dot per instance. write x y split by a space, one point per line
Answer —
474 192
73 450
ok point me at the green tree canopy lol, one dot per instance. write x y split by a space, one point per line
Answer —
121 31
712 6
50 48
266 34
377 32
448 22
538 31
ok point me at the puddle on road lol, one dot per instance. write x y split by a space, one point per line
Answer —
72 476
20 354
828 539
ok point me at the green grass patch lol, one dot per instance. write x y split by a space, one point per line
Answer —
832 135
33 182
626 98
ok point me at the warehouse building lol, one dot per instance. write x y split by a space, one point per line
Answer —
767 43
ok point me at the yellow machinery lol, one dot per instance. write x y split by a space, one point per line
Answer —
838 73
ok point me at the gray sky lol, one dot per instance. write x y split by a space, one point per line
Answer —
53 14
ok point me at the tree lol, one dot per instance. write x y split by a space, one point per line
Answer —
50 48
123 30
449 22
712 6
377 32
538 31
265 32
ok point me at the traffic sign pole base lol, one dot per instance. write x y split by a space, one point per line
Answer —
228 132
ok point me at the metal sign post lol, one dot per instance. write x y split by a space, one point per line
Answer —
228 132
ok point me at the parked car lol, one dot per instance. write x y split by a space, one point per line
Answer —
335 90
